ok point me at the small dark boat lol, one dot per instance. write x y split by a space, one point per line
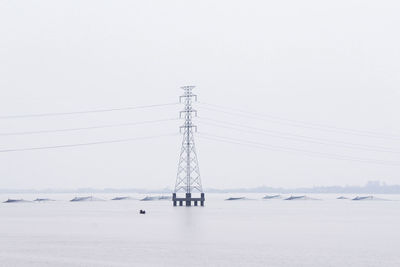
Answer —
342 197
142 212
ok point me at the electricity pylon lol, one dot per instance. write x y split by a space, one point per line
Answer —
188 178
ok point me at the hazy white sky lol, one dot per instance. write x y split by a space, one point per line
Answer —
324 62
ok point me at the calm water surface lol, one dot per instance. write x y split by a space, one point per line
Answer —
256 232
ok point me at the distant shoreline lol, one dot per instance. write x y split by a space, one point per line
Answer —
372 187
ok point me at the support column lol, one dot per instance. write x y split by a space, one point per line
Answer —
174 199
188 199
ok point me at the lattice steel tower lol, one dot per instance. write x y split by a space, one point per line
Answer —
188 177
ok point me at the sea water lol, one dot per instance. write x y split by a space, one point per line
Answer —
251 232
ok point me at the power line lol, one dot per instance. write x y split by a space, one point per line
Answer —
86 128
86 144
295 123
295 137
282 148
85 111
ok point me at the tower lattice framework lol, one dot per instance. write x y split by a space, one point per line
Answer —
188 179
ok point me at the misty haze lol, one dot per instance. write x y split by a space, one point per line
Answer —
199 133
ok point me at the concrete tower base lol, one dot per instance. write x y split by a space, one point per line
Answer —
188 199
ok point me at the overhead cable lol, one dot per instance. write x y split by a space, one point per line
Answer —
85 111
296 123
86 128
296 150
85 144
295 137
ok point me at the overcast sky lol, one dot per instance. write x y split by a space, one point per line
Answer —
333 63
